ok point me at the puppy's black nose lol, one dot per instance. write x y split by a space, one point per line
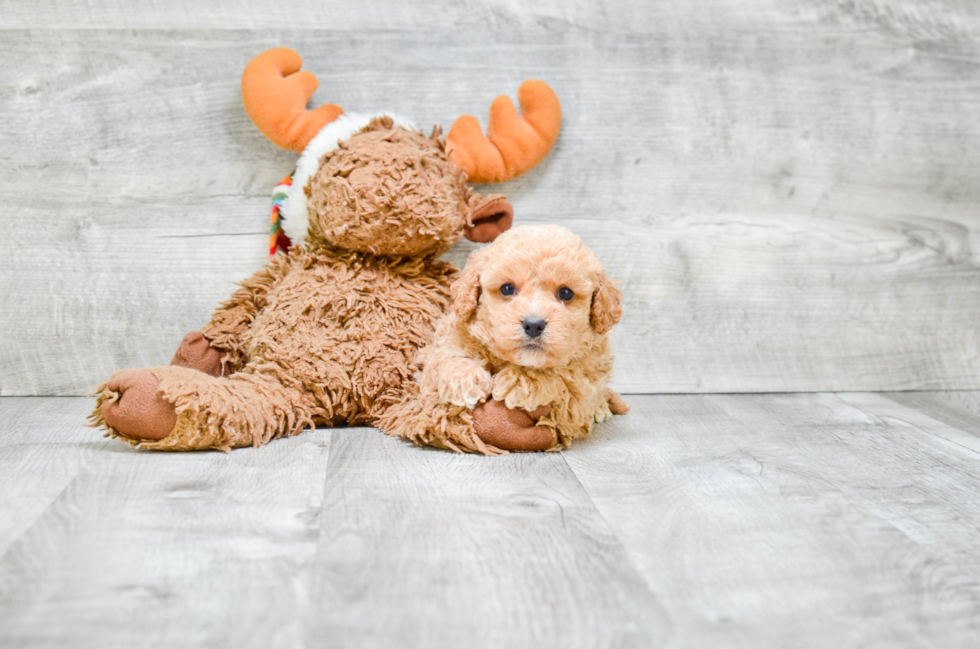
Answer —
534 327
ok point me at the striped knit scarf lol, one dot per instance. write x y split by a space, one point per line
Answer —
277 238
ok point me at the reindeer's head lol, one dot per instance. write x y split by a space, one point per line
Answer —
375 183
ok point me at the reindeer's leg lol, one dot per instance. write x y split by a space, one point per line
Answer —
218 349
247 409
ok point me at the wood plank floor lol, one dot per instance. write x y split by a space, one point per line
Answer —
791 520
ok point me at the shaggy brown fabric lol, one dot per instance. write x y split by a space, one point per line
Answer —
389 191
326 333
335 330
235 316
210 412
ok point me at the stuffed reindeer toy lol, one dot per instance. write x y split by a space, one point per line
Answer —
326 333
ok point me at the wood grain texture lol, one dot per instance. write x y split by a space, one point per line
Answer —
155 549
423 548
794 520
743 521
913 419
338 538
42 449
958 409
790 203
937 18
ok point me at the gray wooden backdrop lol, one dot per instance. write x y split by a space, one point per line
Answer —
788 190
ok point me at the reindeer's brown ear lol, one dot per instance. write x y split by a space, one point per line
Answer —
607 306
466 289
488 218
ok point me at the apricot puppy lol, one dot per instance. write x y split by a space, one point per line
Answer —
529 327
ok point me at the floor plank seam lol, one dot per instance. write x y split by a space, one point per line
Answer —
632 564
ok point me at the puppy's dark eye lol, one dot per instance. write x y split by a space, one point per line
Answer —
507 289
565 294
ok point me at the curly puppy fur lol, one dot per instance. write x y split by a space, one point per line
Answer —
321 334
530 322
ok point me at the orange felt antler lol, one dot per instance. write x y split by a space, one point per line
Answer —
275 94
513 144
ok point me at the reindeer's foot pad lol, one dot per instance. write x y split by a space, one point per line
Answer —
133 407
513 429
196 352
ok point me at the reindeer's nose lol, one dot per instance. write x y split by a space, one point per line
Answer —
533 326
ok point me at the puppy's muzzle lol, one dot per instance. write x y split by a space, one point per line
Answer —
533 327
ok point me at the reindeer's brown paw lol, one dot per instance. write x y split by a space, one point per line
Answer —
512 429
139 411
196 352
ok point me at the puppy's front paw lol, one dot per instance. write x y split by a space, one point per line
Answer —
518 388
465 386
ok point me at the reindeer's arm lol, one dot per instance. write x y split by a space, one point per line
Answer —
234 317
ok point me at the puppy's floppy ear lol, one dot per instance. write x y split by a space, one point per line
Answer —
607 306
488 217
465 290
